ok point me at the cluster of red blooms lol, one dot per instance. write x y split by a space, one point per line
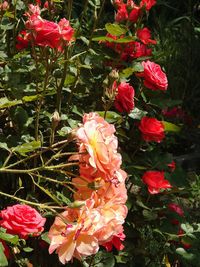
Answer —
41 32
130 13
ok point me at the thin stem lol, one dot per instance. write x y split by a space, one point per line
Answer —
37 154
42 206
38 109
82 16
70 5
41 168
96 23
49 179
7 159
60 87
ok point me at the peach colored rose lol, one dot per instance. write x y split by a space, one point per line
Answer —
104 190
79 232
71 234
98 149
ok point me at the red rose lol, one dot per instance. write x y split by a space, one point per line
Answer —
23 40
116 242
176 208
147 4
154 77
124 100
141 50
172 166
155 181
152 129
185 244
145 36
122 13
134 14
47 33
22 220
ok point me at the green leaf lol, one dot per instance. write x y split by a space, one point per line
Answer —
45 237
149 215
62 198
137 67
115 29
187 228
4 146
27 147
28 249
70 79
126 73
185 254
104 259
20 117
137 114
127 39
111 116
170 127
30 98
64 131
9 15
13 239
6 103
3 259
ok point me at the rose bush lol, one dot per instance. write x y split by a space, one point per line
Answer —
74 115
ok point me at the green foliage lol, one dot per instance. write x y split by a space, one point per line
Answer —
36 146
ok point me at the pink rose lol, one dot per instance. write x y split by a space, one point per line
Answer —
155 180
124 100
152 129
22 220
154 77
